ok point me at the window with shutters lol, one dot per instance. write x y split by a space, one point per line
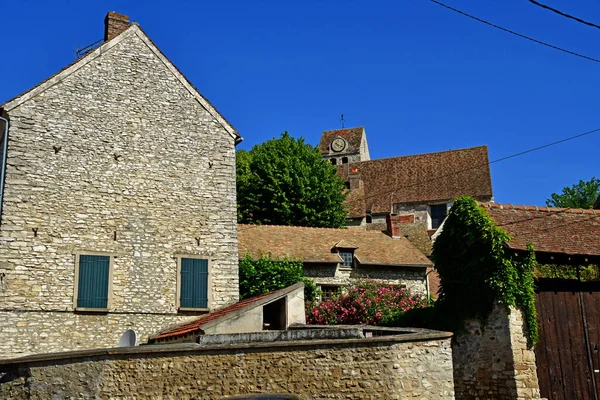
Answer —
93 276
193 288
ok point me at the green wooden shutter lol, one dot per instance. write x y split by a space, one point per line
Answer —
93 281
194 283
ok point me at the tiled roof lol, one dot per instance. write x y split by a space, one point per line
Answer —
198 324
416 233
352 135
550 230
355 203
420 178
316 244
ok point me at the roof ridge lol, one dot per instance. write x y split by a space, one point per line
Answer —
509 206
343 129
313 227
415 155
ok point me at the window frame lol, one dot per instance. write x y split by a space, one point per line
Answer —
109 295
343 263
209 291
338 288
431 214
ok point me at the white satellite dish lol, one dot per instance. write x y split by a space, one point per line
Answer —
128 339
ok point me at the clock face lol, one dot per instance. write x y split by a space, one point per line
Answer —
338 144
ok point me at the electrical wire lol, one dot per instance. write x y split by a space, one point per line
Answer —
516 33
554 10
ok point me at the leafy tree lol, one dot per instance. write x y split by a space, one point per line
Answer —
267 274
579 195
285 181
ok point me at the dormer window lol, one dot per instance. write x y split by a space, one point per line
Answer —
348 258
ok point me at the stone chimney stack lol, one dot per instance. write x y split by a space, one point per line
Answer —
114 24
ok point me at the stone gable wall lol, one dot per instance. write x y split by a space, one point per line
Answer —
118 157
334 369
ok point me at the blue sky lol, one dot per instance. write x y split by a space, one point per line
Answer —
419 77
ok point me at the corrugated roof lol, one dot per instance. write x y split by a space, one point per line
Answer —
420 178
316 244
550 230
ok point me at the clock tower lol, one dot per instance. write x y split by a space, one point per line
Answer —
346 145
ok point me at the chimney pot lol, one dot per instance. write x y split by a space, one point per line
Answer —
114 24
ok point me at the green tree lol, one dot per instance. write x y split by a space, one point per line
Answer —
267 274
579 195
285 181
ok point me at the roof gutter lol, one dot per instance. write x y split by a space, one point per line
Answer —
397 265
3 164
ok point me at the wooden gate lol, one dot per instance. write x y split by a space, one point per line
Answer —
567 353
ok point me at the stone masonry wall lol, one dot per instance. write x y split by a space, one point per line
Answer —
364 369
118 157
492 360
329 274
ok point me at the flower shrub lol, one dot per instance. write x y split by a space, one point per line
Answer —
366 302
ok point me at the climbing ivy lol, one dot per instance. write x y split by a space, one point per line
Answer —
477 268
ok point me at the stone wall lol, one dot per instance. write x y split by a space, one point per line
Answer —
331 274
378 368
120 157
492 361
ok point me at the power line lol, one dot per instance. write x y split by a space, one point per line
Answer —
516 33
483 165
554 10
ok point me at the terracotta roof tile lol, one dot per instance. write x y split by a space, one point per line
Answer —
316 244
550 230
352 135
420 178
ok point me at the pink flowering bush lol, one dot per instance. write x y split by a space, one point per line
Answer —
366 302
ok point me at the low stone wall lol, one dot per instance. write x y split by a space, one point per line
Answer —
492 361
417 365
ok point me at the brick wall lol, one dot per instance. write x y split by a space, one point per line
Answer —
118 157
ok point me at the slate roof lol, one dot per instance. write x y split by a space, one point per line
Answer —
352 135
198 324
421 178
316 245
550 230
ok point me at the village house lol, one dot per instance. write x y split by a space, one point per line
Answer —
118 201
333 258
418 187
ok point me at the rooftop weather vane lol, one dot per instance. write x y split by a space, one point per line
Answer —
342 120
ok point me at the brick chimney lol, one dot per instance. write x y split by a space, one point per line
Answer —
393 222
354 181
114 24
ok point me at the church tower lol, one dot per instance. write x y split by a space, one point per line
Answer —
346 145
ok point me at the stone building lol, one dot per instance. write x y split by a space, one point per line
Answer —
419 187
342 146
118 203
337 257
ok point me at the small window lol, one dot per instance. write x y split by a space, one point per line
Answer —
333 161
348 257
193 284
329 291
344 160
369 219
438 215
93 281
